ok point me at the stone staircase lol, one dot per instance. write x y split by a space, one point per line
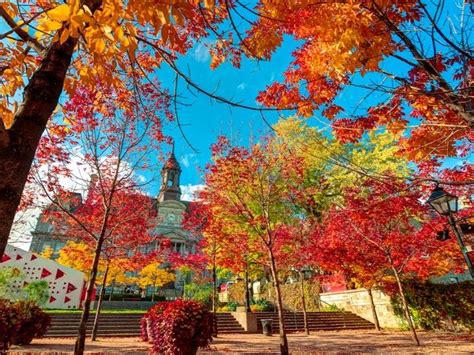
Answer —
128 325
226 323
123 325
294 321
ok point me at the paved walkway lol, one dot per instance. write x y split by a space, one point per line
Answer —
343 342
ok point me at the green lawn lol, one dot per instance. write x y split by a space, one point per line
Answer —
104 311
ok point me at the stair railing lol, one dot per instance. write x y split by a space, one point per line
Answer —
343 312
294 314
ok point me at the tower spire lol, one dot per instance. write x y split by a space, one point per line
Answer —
170 174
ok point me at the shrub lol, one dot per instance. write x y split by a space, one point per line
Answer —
291 295
439 306
179 327
37 292
223 309
9 324
232 306
20 322
262 305
198 292
34 323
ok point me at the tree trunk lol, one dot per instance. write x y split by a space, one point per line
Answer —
99 304
18 143
111 290
303 303
214 296
374 311
247 293
81 333
153 293
405 307
214 288
276 285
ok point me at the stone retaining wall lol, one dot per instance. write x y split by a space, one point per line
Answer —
358 302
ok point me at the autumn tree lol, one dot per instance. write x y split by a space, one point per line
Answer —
404 60
155 276
76 255
248 191
100 153
50 46
48 49
376 236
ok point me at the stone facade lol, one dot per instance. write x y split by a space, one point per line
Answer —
358 302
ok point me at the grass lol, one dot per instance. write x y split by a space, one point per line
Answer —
104 311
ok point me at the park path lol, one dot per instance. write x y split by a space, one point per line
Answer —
325 342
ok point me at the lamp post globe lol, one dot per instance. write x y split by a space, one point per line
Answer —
446 204
443 202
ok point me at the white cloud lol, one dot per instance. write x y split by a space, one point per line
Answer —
189 192
186 159
201 53
241 86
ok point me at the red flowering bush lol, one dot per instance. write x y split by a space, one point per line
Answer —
20 322
178 328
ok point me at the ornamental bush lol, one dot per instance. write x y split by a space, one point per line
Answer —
34 322
179 327
20 322
439 306
9 324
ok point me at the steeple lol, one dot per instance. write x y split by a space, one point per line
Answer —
170 174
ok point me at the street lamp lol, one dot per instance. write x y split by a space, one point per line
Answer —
446 204
442 202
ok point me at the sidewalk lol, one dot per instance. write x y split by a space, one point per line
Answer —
327 342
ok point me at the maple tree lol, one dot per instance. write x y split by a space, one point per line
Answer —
248 195
155 276
101 152
376 237
51 46
421 68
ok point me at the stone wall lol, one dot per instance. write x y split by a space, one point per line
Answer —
358 302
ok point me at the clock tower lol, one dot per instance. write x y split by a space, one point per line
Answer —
170 174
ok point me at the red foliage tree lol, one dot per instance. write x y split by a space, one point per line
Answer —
377 237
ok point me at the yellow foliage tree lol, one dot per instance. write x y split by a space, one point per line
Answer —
77 256
153 275
47 253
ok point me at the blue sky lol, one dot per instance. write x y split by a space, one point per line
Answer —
203 119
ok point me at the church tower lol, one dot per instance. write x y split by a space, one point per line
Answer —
170 173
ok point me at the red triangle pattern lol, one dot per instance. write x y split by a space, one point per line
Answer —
5 258
59 274
45 273
70 288
19 257
52 299
66 299
33 257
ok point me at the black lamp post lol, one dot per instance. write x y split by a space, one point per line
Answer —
446 204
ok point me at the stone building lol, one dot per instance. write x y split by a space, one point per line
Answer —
170 213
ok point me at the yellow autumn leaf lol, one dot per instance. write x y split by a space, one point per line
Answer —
47 26
100 45
60 13
64 36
